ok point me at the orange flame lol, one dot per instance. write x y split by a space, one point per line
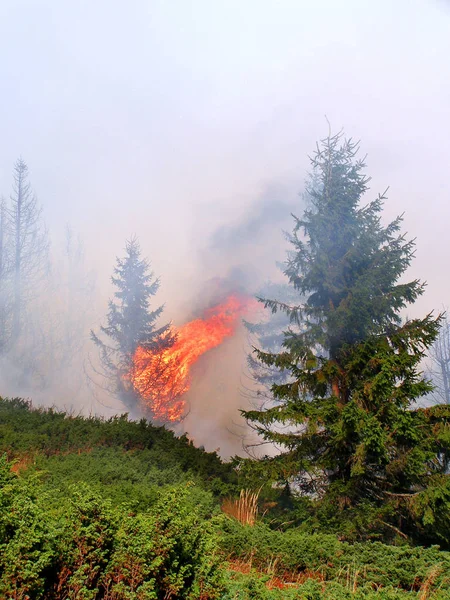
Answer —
161 378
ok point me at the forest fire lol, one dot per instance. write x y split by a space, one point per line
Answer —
161 378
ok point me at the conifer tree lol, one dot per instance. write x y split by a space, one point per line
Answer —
346 422
29 246
130 322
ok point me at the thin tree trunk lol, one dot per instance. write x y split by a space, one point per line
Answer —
17 262
3 333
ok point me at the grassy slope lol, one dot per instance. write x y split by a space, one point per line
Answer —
132 464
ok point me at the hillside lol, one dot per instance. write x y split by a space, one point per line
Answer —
115 509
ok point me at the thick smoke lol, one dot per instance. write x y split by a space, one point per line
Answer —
245 253
189 125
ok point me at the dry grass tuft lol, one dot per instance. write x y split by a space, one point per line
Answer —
425 588
244 509
21 464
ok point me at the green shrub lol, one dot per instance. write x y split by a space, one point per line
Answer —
28 536
89 549
116 510
296 551
168 553
24 430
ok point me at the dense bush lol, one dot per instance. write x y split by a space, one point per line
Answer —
293 551
24 430
93 509
253 587
89 549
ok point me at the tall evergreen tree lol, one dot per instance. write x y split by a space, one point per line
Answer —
354 433
130 322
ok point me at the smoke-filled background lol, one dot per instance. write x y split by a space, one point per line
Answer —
189 124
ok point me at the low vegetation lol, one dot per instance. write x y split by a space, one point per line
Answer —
115 509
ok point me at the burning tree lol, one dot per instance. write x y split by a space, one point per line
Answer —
150 366
162 376
346 422
130 323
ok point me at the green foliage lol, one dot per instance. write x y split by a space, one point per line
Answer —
87 544
295 551
430 510
27 536
87 548
117 510
347 421
138 450
256 587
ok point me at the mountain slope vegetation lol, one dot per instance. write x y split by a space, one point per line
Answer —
94 508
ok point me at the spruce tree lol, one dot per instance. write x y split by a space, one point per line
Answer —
347 422
130 322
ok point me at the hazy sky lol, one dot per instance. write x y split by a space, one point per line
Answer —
169 118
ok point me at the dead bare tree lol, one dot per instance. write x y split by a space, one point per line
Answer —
439 365
29 244
26 247
4 284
